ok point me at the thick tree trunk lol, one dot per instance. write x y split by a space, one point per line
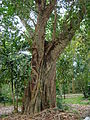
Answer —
41 91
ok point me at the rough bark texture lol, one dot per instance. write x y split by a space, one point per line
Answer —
41 91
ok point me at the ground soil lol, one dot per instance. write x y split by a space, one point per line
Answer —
76 112
49 114
83 110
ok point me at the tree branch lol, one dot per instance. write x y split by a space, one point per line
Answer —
30 32
47 12
69 28
54 25
32 21
43 4
43 16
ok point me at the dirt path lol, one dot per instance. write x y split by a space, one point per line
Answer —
83 110
48 114
6 110
72 95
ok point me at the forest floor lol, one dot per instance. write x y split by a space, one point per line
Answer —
75 112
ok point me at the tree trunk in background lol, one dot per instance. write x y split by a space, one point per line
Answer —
69 89
64 92
17 102
12 84
16 94
13 96
73 87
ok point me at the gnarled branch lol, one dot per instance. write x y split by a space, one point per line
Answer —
54 25
69 29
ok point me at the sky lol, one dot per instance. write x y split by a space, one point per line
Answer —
0 1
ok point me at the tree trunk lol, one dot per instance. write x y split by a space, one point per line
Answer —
73 86
64 92
41 91
16 94
17 103
68 89
13 96
12 84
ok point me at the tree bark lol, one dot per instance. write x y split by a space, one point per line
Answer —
41 91
13 96
12 84
73 86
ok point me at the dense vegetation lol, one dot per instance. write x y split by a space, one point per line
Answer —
72 67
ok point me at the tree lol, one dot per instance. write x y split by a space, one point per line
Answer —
81 69
73 64
64 70
41 91
12 57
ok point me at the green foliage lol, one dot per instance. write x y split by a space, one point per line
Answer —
15 66
58 96
74 63
5 94
59 103
14 63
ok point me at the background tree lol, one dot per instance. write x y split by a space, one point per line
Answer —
14 55
74 63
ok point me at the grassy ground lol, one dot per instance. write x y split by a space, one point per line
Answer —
77 100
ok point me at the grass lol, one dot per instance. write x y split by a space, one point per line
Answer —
77 100
3 116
